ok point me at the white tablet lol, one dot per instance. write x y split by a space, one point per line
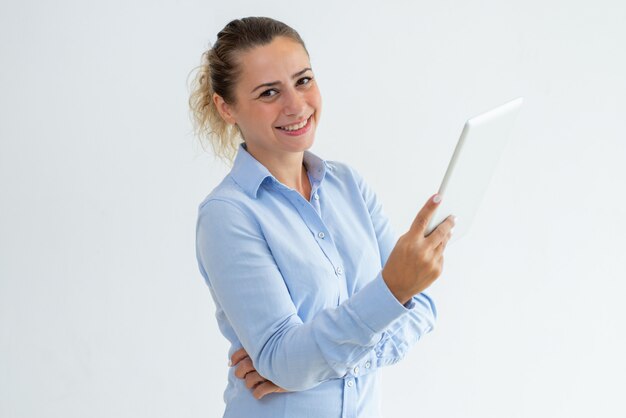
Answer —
472 165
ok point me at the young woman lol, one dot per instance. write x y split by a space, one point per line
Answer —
312 288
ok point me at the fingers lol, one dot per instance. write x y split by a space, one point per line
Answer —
254 378
441 248
266 388
442 244
440 265
244 367
238 356
420 223
245 370
442 232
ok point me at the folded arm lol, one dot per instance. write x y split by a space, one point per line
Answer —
250 289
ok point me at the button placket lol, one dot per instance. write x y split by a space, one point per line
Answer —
311 216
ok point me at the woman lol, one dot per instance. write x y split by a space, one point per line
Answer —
292 246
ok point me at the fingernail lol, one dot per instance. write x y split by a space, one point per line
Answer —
230 363
437 198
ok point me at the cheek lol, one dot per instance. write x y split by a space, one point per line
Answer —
263 116
315 98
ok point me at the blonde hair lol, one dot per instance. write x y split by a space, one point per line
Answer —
219 72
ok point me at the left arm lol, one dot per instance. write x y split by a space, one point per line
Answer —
396 339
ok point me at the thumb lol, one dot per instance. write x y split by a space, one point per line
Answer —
420 223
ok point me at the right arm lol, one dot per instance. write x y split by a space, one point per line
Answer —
294 355
247 282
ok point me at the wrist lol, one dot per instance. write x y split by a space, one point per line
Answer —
402 296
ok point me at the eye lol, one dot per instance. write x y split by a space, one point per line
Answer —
306 78
267 95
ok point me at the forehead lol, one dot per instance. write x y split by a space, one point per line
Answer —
272 62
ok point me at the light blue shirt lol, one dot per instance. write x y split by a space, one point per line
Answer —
298 284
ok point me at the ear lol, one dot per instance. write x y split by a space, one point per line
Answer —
224 109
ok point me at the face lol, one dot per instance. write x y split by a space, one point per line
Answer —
278 101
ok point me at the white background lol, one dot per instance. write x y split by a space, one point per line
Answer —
103 312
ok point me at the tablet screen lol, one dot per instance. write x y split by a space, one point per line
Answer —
472 165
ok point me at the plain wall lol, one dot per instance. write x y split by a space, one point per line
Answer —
103 312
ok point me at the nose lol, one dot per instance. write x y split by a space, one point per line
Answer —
294 104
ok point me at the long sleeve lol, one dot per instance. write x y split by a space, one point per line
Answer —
404 332
297 282
248 286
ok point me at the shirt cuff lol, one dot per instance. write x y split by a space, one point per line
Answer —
410 304
376 306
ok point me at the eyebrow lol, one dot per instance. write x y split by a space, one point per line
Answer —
273 83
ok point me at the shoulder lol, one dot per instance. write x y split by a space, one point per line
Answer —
347 174
343 170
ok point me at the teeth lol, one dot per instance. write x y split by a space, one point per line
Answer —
295 127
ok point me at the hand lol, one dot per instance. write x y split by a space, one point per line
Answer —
245 370
417 260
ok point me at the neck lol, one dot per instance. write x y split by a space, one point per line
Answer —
288 168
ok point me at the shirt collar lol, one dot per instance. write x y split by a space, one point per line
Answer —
250 173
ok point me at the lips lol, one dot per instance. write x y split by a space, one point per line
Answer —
295 126
306 127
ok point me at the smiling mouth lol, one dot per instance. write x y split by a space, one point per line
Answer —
295 127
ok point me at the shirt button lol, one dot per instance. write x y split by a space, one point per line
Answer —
316 196
350 383
321 235
356 370
339 270
367 365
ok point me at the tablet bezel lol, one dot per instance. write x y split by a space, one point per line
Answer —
471 167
